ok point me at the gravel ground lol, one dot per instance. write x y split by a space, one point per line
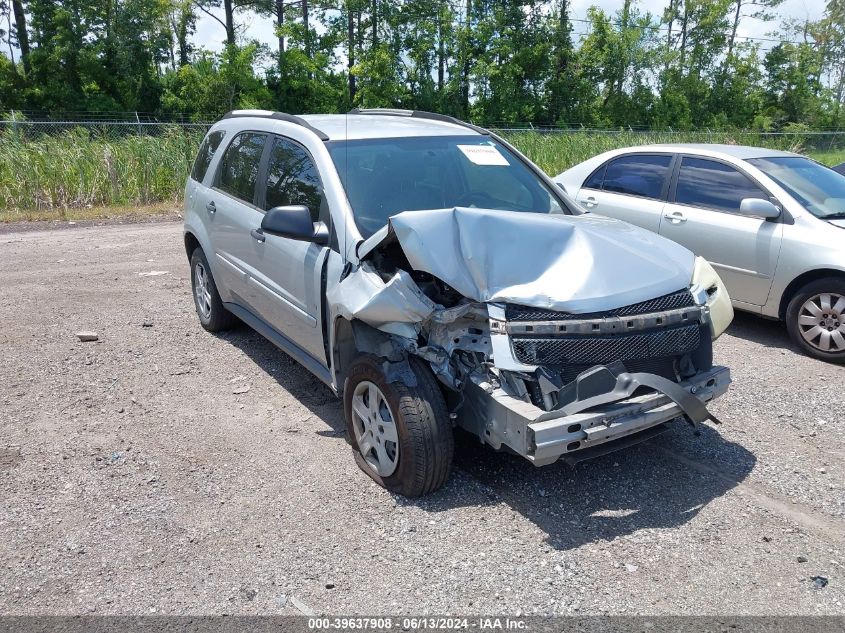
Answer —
139 475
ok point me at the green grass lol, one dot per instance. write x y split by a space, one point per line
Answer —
76 171
79 176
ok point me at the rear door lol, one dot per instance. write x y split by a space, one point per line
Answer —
703 215
632 188
233 212
285 274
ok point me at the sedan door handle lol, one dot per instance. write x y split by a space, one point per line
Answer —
258 235
675 216
589 202
211 207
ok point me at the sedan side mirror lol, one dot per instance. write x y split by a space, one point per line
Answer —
759 208
295 222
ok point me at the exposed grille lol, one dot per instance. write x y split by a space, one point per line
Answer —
601 350
679 299
661 366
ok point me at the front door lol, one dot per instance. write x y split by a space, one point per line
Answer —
285 278
703 215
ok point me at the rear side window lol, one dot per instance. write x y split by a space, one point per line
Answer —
597 177
640 175
292 178
239 166
714 185
209 145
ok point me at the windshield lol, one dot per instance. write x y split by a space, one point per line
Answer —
383 177
819 189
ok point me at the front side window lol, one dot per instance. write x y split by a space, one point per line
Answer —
206 152
383 177
819 190
639 175
239 166
714 185
292 178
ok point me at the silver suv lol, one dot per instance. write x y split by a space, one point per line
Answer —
434 277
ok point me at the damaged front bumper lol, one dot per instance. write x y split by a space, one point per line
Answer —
543 437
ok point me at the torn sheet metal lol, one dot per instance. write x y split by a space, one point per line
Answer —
397 306
571 263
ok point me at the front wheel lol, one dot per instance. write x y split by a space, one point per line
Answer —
815 319
401 435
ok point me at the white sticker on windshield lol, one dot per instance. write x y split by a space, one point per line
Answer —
483 154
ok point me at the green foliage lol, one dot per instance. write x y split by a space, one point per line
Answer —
80 169
77 169
493 61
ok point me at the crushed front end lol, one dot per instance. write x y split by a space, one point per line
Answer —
566 382
541 355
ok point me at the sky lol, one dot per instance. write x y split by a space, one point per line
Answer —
210 33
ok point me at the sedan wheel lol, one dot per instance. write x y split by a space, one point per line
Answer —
822 322
815 318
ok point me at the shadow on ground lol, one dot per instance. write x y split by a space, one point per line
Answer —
662 483
762 331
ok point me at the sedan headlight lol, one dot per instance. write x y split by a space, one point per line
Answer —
709 291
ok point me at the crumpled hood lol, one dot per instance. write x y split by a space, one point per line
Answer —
570 263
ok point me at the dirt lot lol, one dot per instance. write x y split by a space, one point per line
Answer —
138 474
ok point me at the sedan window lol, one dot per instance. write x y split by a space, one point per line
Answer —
639 175
714 185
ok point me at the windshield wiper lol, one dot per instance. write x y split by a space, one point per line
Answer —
839 215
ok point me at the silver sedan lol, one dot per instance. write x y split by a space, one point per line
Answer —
768 221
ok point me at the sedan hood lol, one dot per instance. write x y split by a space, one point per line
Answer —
575 264
839 223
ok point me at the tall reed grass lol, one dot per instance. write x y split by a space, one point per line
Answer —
77 169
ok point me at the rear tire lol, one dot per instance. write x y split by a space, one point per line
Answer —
213 316
404 431
815 319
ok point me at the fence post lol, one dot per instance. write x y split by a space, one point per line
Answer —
138 120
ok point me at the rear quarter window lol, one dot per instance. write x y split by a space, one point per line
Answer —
206 152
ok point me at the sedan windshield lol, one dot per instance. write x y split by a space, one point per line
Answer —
383 177
819 189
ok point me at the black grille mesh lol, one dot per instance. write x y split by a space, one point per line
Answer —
601 350
679 299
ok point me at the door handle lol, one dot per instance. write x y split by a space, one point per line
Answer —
589 202
211 207
675 216
258 235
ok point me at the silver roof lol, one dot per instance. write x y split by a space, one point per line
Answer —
365 126
714 149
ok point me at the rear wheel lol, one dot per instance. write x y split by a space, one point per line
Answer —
815 319
401 435
213 316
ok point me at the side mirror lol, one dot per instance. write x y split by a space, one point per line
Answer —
759 208
561 185
294 222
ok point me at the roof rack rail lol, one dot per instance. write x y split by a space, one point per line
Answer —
419 114
279 116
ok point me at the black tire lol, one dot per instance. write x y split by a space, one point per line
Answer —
426 442
217 318
834 320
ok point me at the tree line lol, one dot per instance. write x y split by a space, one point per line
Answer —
494 62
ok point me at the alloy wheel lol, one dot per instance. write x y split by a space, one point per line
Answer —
201 291
821 322
375 428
